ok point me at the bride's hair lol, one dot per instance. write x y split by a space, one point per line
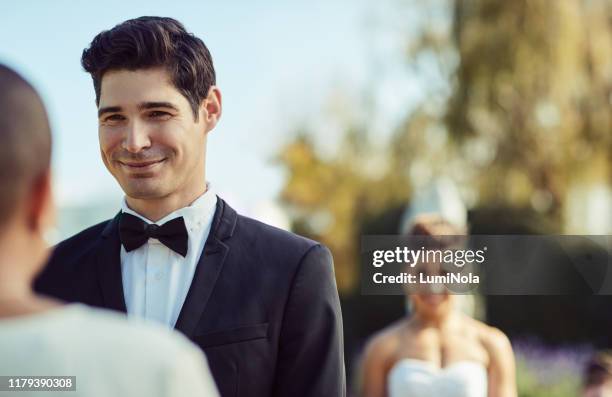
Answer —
437 232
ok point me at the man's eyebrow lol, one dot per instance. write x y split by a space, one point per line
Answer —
152 105
108 109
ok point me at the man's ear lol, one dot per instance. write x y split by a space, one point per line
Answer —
41 208
212 107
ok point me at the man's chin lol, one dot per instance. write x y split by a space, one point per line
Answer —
143 189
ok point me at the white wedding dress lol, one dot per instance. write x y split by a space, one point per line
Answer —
418 378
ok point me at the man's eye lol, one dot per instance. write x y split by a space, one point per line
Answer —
156 114
114 117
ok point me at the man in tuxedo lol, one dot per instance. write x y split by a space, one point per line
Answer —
261 302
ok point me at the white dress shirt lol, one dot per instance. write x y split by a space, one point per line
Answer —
155 278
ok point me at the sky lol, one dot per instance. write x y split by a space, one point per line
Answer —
276 63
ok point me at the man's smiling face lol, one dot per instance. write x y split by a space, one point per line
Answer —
150 140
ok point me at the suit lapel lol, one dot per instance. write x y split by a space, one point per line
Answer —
208 268
108 266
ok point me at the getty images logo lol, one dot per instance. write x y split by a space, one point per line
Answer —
411 257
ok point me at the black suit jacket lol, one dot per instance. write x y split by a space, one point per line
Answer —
263 303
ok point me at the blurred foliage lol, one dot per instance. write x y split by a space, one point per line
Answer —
330 197
518 112
529 386
542 371
534 91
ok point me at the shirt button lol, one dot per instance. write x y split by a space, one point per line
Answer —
158 276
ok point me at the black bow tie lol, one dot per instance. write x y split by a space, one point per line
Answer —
134 232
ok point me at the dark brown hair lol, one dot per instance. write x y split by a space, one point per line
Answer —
599 369
437 233
25 140
148 42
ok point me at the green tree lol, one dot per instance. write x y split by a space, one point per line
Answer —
532 94
517 112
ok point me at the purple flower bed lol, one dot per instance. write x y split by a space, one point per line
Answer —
541 367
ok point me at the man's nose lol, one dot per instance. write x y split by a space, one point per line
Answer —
136 138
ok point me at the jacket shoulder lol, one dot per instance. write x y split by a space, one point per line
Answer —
264 245
69 258
81 242
261 233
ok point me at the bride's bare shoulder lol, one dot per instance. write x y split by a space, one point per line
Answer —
495 342
386 342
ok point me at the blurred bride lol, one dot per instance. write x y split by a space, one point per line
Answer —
438 350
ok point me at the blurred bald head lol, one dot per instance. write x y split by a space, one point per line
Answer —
25 141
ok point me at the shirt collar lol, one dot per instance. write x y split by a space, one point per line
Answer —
197 215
